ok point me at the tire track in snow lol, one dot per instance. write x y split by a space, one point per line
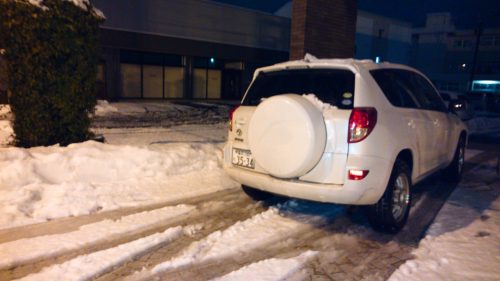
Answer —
69 224
87 267
270 269
17 256
239 238
266 235
209 218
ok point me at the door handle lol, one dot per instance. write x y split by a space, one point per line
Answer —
411 124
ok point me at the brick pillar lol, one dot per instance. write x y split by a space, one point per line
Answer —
323 28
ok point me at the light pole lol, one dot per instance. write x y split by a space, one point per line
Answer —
478 32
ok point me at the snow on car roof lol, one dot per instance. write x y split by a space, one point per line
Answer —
310 61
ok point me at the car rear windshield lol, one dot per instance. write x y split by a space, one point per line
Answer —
333 86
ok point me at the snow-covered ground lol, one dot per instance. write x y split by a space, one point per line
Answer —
463 243
143 163
158 114
44 183
142 168
20 251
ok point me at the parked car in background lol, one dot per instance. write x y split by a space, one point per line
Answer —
343 131
485 101
464 102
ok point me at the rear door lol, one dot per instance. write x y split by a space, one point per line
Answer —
436 111
394 84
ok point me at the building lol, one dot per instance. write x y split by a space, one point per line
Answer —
446 55
199 49
185 49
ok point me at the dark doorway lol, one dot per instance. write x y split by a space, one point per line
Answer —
231 84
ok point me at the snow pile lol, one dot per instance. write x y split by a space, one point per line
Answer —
238 239
43 183
21 251
103 108
6 130
269 270
322 106
5 112
6 133
88 267
483 124
463 242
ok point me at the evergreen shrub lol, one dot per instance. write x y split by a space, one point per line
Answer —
51 49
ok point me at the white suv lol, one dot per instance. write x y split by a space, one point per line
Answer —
343 131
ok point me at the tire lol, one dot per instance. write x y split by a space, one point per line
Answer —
287 135
256 194
390 213
454 171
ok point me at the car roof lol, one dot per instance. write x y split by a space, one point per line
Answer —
355 65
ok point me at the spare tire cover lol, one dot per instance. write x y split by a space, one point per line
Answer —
287 135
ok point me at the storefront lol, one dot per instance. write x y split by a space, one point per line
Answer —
187 49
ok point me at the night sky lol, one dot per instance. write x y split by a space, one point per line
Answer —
467 13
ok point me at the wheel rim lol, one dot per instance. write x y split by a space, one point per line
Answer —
461 159
400 197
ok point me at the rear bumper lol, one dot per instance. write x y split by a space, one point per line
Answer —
363 192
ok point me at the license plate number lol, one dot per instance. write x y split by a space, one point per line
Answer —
243 158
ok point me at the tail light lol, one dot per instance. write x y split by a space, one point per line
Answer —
361 123
357 174
231 113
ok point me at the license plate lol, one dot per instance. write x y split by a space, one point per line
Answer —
243 158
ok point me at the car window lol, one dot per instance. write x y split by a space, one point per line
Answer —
333 86
424 92
445 97
393 88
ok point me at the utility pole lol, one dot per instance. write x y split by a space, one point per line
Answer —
478 31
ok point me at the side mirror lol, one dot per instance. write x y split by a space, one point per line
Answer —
457 106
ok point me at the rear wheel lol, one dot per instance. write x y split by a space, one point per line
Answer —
390 213
256 194
454 171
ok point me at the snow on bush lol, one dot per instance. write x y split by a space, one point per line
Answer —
6 131
49 182
82 4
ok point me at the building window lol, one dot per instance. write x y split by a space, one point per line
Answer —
449 86
487 40
151 75
174 82
131 80
462 43
207 78
200 83
214 77
152 81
